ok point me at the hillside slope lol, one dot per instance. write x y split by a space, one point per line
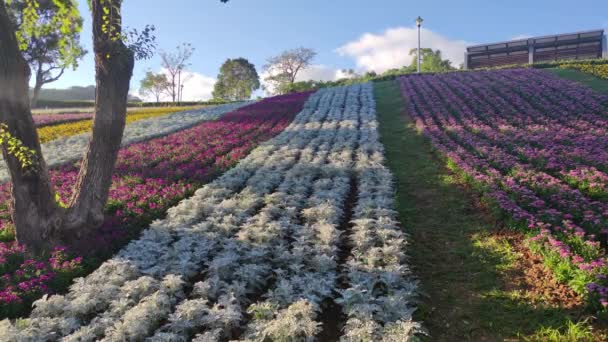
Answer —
514 137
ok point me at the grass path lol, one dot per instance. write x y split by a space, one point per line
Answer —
480 282
591 81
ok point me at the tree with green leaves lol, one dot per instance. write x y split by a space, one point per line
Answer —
154 85
42 222
283 69
236 81
432 61
49 38
302 86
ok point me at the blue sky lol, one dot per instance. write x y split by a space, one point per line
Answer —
346 34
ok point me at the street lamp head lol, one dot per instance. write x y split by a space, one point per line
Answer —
419 21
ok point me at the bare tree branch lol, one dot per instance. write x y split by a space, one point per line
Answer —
53 79
174 63
284 68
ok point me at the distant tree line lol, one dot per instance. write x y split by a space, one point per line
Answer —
238 78
432 61
74 93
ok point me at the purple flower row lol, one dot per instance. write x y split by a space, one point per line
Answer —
535 144
150 177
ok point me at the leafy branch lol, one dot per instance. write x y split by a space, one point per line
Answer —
15 147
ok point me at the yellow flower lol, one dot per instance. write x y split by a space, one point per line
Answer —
48 133
599 70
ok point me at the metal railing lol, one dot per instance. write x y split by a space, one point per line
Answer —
579 45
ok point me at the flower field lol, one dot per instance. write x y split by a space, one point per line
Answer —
277 220
67 147
536 146
133 114
305 219
54 119
54 126
150 177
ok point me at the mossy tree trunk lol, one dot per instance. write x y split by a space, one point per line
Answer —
40 222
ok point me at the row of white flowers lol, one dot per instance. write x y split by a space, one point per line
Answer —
244 266
307 275
176 245
68 149
379 301
172 247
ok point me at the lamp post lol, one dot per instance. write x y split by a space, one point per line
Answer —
418 23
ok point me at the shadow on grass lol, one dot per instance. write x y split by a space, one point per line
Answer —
458 250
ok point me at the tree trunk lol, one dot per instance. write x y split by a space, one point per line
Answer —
35 213
39 221
113 70
171 88
35 96
37 87
40 81
179 87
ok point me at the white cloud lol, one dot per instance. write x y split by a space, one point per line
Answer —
197 87
390 49
318 72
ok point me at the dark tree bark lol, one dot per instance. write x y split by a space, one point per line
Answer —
34 210
114 64
35 95
39 221
37 87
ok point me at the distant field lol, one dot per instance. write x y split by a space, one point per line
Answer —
90 109
62 110
591 81
51 132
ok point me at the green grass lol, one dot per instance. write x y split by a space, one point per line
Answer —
591 81
571 332
456 249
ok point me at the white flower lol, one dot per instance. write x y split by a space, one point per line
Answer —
296 323
139 321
